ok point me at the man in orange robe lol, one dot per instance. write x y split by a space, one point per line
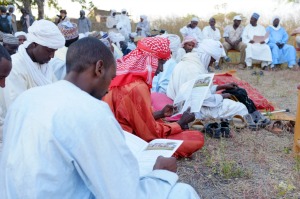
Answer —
130 101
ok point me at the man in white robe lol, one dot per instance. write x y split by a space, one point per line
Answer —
71 146
193 30
214 105
5 68
112 21
160 81
30 63
125 24
143 27
212 32
256 51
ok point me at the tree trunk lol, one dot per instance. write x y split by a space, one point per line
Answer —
40 4
27 5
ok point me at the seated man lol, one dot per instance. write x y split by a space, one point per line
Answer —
160 81
256 51
129 97
233 39
192 30
194 64
5 68
212 32
188 44
69 143
281 51
31 63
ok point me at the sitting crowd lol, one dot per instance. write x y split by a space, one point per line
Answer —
65 138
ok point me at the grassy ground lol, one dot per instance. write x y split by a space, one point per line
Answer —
252 164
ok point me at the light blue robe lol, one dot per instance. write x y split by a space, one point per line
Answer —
160 82
287 53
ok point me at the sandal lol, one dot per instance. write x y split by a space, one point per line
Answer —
225 130
238 122
213 130
260 119
275 127
197 125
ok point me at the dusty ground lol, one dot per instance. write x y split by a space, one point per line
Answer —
253 164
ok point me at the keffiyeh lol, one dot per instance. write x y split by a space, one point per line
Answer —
142 62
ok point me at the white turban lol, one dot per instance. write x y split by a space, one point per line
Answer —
275 17
17 34
174 42
195 19
11 6
45 33
209 48
112 11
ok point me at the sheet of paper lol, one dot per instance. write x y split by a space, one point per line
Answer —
258 39
147 153
157 147
192 94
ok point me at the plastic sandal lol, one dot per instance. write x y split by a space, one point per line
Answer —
213 130
225 130
260 119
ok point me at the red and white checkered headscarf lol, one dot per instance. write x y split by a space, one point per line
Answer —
142 62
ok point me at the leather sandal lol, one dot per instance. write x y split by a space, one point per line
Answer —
225 130
238 122
197 125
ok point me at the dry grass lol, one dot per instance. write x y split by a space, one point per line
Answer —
252 164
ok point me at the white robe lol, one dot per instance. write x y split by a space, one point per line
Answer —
214 105
209 33
20 78
126 25
256 51
110 22
59 142
194 32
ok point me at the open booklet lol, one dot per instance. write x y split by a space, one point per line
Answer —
147 153
258 39
192 94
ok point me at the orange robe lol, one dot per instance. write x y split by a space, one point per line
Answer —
131 105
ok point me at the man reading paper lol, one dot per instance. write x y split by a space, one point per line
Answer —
256 51
62 141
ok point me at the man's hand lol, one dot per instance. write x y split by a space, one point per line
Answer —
262 42
236 43
231 85
188 26
281 46
226 95
138 29
167 111
114 26
251 42
186 118
163 163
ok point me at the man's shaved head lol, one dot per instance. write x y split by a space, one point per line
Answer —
80 56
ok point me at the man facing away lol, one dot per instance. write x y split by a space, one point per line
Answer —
281 51
30 63
193 30
233 39
75 148
256 51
